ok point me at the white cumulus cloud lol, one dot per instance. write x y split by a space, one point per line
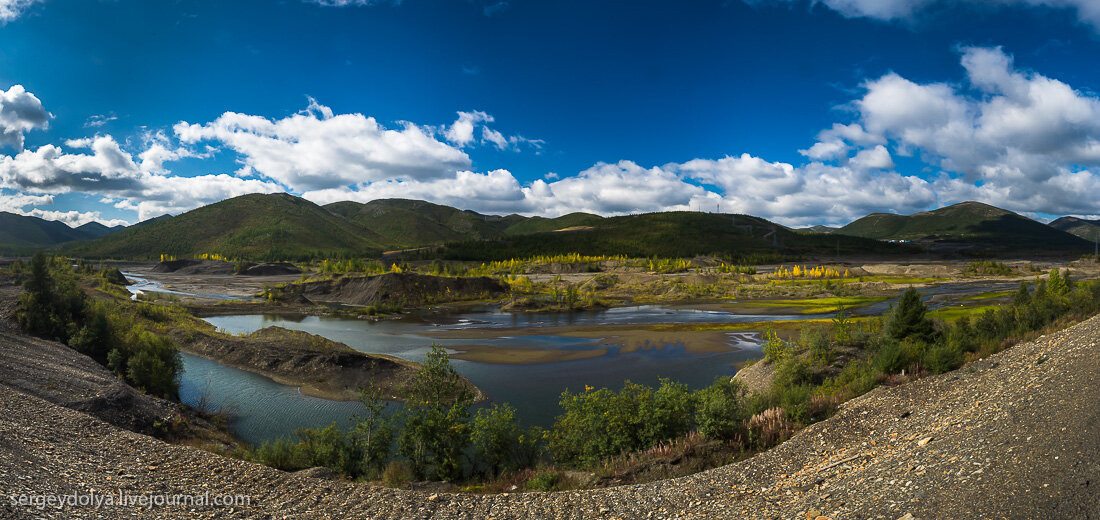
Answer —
1016 139
20 111
1088 11
112 172
11 9
317 150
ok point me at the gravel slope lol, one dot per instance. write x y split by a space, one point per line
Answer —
1014 436
58 374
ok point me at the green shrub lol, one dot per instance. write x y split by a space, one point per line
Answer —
815 342
599 424
722 411
908 318
544 481
774 347
895 356
842 326
280 454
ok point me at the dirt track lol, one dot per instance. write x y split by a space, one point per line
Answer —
1014 436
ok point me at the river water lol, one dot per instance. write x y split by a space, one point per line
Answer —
266 410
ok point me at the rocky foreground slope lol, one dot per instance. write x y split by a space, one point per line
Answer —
1014 436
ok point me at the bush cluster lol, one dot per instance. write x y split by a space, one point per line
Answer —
55 306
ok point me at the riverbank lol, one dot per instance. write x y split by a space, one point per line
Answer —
318 366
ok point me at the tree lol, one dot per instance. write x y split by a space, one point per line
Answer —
908 319
52 305
436 414
496 436
1057 284
94 338
154 364
39 284
1022 296
722 412
374 430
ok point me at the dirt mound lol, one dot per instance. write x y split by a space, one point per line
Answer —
322 367
271 269
758 376
397 288
194 267
917 270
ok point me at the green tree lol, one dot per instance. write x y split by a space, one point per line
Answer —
374 429
1022 295
436 415
94 339
721 409
52 304
154 365
39 284
909 318
495 436
1057 283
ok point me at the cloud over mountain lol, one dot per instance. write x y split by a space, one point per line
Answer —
1009 137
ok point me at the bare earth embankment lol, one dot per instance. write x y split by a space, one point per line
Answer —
1016 435
319 366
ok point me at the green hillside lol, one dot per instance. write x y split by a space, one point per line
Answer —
285 227
543 224
973 223
255 227
1086 229
670 234
403 223
20 234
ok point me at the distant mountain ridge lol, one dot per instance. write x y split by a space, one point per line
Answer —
412 223
1084 228
96 230
22 233
256 226
286 227
973 223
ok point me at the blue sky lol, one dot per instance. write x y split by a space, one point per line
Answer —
805 113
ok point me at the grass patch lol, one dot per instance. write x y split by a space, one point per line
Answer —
817 305
778 325
988 296
950 314
902 279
